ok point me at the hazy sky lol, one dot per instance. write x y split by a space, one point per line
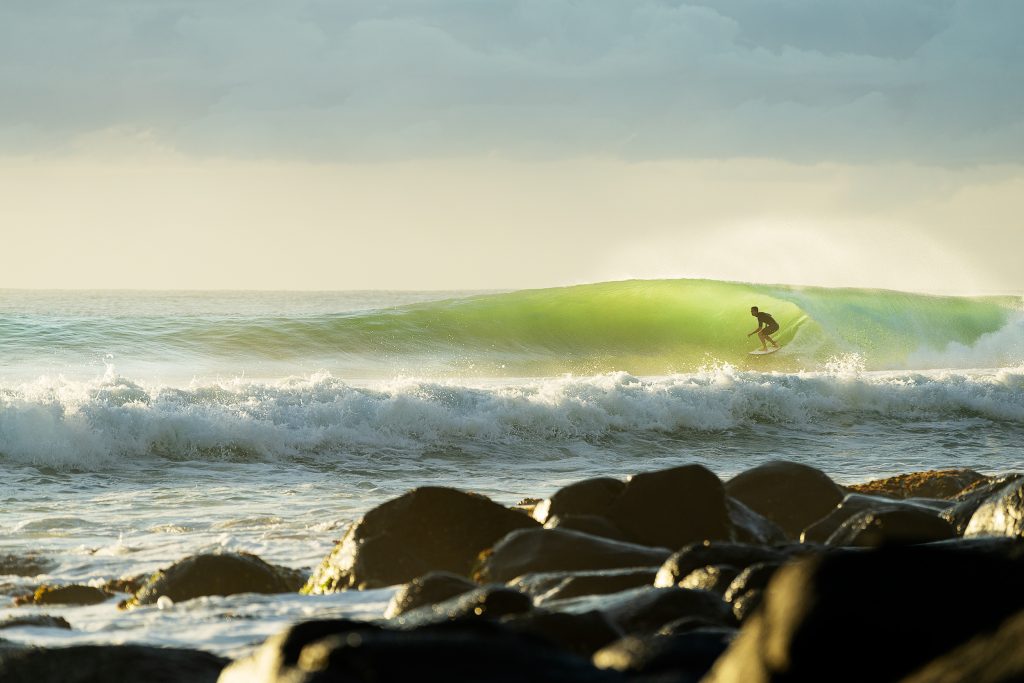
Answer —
511 143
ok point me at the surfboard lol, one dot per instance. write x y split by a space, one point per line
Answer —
759 352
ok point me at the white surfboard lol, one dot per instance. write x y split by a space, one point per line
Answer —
759 352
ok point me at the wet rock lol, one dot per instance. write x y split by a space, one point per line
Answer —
698 555
852 505
755 577
428 529
113 663
715 578
751 527
544 550
25 565
544 586
930 484
70 595
687 624
582 633
1001 514
588 524
645 610
687 656
486 602
215 574
455 652
968 502
990 658
910 603
870 529
35 621
429 589
587 497
673 507
792 495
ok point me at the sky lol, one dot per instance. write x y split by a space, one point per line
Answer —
458 144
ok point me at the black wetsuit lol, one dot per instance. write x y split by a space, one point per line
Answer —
770 326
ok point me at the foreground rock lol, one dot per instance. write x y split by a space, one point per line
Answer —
737 556
991 658
854 504
487 602
109 664
544 550
429 589
646 610
455 652
945 484
684 656
544 586
870 529
216 574
788 493
1002 513
427 529
871 615
968 502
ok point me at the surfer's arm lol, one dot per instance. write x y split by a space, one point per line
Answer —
759 326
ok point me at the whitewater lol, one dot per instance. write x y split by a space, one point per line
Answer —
137 428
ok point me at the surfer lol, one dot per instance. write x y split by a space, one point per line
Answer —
766 326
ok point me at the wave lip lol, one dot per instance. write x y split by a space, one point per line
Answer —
112 421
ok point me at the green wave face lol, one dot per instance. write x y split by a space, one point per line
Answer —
664 326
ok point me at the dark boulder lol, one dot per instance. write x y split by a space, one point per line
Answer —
427 529
909 603
990 658
647 609
714 577
698 555
581 633
487 602
944 484
869 529
25 565
968 502
588 524
1002 513
587 497
751 527
852 505
216 574
109 664
429 589
684 656
544 586
746 591
673 507
455 652
544 550
35 621
70 595
792 495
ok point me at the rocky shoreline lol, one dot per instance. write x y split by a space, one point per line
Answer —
778 574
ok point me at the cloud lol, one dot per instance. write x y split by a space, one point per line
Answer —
843 80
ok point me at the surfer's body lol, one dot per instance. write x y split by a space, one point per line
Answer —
766 326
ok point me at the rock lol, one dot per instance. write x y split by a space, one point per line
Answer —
455 652
852 505
751 527
109 663
990 658
427 529
755 577
25 565
588 524
70 595
687 624
545 550
969 500
869 529
792 495
944 484
645 610
1002 513
743 606
215 574
487 602
587 497
698 555
687 656
583 633
673 507
429 589
870 615
544 586
714 577
36 621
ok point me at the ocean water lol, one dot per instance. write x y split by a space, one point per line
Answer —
137 428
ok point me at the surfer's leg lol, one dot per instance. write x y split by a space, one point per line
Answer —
761 335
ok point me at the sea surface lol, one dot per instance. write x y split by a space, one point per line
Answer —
137 428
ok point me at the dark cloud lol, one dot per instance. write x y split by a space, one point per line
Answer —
807 80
